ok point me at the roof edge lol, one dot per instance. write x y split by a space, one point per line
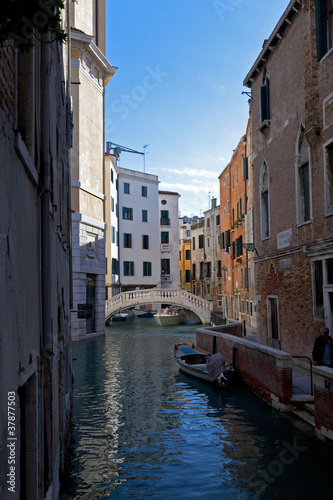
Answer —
293 8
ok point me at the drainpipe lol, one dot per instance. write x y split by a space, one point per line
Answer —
45 203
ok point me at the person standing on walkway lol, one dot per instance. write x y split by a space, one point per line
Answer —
322 353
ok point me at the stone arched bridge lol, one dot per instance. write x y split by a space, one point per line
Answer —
125 300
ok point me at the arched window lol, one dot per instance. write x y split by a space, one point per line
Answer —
264 201
303 178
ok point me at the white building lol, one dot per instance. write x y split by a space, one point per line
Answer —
169 230
139 247
112 280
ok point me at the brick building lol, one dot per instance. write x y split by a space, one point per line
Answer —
292 141
236 241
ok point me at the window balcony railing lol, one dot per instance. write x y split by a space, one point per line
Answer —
165 247
165 222
166 278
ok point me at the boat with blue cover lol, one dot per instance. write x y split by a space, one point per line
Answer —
200 364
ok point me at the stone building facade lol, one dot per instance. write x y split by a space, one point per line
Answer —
91 72
292 123
212 256
35 237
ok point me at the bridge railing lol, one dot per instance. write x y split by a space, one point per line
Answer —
158 295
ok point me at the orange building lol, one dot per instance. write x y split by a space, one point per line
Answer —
185 257
236 239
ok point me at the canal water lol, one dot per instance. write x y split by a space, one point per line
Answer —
142 429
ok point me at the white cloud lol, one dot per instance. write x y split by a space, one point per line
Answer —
192 172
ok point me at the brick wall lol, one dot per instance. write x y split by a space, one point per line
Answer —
323 399
267 371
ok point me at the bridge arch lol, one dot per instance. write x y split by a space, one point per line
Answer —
202 308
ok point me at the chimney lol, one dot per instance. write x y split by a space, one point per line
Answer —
213 202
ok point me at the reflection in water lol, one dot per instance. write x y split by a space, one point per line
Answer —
143 429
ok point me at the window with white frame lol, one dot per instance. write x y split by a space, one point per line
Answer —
328 162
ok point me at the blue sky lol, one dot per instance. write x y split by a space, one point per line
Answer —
179 86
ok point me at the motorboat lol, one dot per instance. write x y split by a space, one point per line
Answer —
147 314
170 316
200 364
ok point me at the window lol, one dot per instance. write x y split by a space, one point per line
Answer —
193 271
222 241
324 26
112 204
201 270
228 207
227 240
318 289
145 241
127 240
112 179
146 268
208 243
115 266
227 180
193 243
236 173
201 240
144 215
264 202
188 233
128 268
165 237
165 266
188 276
126 188
219 269
217 220
265 99
242 281
187 254
180 255
303 180
245 166
165 221
113 234
208 223
208 269
328 151
127 213
144 191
